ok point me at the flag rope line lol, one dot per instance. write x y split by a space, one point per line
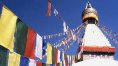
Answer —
112 35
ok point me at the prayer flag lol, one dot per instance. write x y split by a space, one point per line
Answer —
7 28
3 56
58 59
56 13
32 62
38 46
53 55
30 46
14 59
64 27
44 48
21 37
39 64
24 61
49 54
48 13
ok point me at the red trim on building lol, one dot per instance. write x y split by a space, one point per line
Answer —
98 49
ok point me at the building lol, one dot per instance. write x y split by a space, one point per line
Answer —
95 47
94 44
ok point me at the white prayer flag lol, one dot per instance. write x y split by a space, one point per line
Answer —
64 27
55 12
32 62
38 47
58 59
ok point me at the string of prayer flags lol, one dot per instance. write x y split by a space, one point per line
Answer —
53 35
28 44
112 35
24 36
24 61
65 28
31 42
48 13
13 59
60 34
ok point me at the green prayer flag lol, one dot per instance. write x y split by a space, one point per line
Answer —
21 37
43 64
53 58
3 56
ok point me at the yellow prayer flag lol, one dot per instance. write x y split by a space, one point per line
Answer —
60 63
47 65
79 56
49 54
7 28
14 59
63 57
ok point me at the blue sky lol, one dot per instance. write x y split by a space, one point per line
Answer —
32 13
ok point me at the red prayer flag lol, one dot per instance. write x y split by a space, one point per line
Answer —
66 61
48 13
30 47
56 56
38 64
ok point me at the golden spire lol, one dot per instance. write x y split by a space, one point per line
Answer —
89 13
